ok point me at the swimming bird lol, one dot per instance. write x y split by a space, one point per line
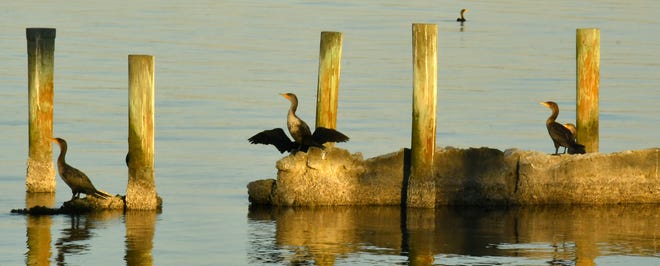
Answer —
462 18
303 138
561 135
74 178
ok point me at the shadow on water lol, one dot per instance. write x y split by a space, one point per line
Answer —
74 239
450 235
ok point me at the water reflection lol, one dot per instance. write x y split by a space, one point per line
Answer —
75 239
452 235
140 230
38 240
38 229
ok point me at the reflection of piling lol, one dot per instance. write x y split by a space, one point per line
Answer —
421 187
38 229
588 79
328 83
40 168
141 189
38 239
140 229
420 225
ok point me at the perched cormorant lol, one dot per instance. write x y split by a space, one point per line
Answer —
462 18
74 178
303 138
560 134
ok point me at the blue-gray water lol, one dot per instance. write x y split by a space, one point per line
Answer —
219 67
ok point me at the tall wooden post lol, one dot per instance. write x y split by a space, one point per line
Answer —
328 84
588 80
141 189
40 167
421 189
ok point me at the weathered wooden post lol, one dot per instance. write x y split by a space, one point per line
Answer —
588 80
421 187
328 84
141 189
40 167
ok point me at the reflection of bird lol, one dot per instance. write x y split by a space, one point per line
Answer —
303 138
462 18
561 135
73 240
74 178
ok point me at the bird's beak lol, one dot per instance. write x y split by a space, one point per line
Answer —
544 104
284 95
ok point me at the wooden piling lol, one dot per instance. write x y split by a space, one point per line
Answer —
328 83
588 80
40 168
141 189
421 187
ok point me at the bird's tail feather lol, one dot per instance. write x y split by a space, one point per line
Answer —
577 149
102 194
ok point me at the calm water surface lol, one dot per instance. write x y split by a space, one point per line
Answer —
219 67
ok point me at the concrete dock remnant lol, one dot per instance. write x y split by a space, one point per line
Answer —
473 176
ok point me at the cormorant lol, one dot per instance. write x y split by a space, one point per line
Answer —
561 135
462 18
74 178
303 138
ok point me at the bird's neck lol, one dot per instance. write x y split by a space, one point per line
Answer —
552 117
60 159
291 117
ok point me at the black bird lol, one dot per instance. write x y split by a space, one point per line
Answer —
74 178
303 138
560 134
462 18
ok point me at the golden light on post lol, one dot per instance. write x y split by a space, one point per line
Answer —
328 83
141 188
421 187
40 168
587 86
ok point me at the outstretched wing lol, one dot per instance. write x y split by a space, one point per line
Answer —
276 137
323 135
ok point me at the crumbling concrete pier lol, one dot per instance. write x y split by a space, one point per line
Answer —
474 176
